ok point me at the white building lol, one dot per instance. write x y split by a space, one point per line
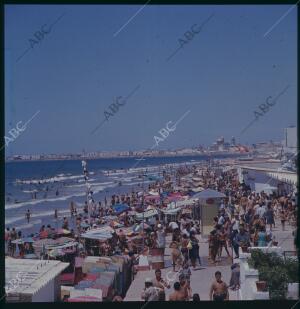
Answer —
32 280
290 139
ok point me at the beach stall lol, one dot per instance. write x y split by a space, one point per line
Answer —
43 247
207 208
171 212
108 274
95 237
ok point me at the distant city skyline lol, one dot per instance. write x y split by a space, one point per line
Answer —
166 150
77 70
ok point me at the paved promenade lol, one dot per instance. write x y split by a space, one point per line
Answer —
203 276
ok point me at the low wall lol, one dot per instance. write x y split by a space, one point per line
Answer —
249 276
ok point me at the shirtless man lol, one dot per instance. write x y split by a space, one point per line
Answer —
185 287
178 295
218 289
160 284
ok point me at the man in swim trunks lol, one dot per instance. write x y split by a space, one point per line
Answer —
218 289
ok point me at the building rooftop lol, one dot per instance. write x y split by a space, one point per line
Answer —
28 276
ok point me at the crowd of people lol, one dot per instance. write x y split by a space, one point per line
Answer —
244 219
154 289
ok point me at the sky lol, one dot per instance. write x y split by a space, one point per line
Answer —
64 83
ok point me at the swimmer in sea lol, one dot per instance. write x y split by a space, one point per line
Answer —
27 215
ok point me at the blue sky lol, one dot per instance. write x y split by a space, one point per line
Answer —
78 69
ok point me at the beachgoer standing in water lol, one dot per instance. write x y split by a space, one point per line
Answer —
65 224
72 208
27 215
55 214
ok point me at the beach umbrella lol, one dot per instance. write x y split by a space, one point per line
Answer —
118 208
152 197
153 193
63 232
28 240
115 224
64 240
110 218
43 242
30 256
56 252
174 198
139 227
69 251
17 241
44 234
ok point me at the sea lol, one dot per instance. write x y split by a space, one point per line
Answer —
43 186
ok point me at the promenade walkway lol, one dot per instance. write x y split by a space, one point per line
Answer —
203 276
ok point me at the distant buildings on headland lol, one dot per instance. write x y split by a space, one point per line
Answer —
219 147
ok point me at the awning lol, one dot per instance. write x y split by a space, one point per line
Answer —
264 187
147 214
197 189
62 246
153 193
102 233
23 241
208 193
188 202
172 211
152 197
56 252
